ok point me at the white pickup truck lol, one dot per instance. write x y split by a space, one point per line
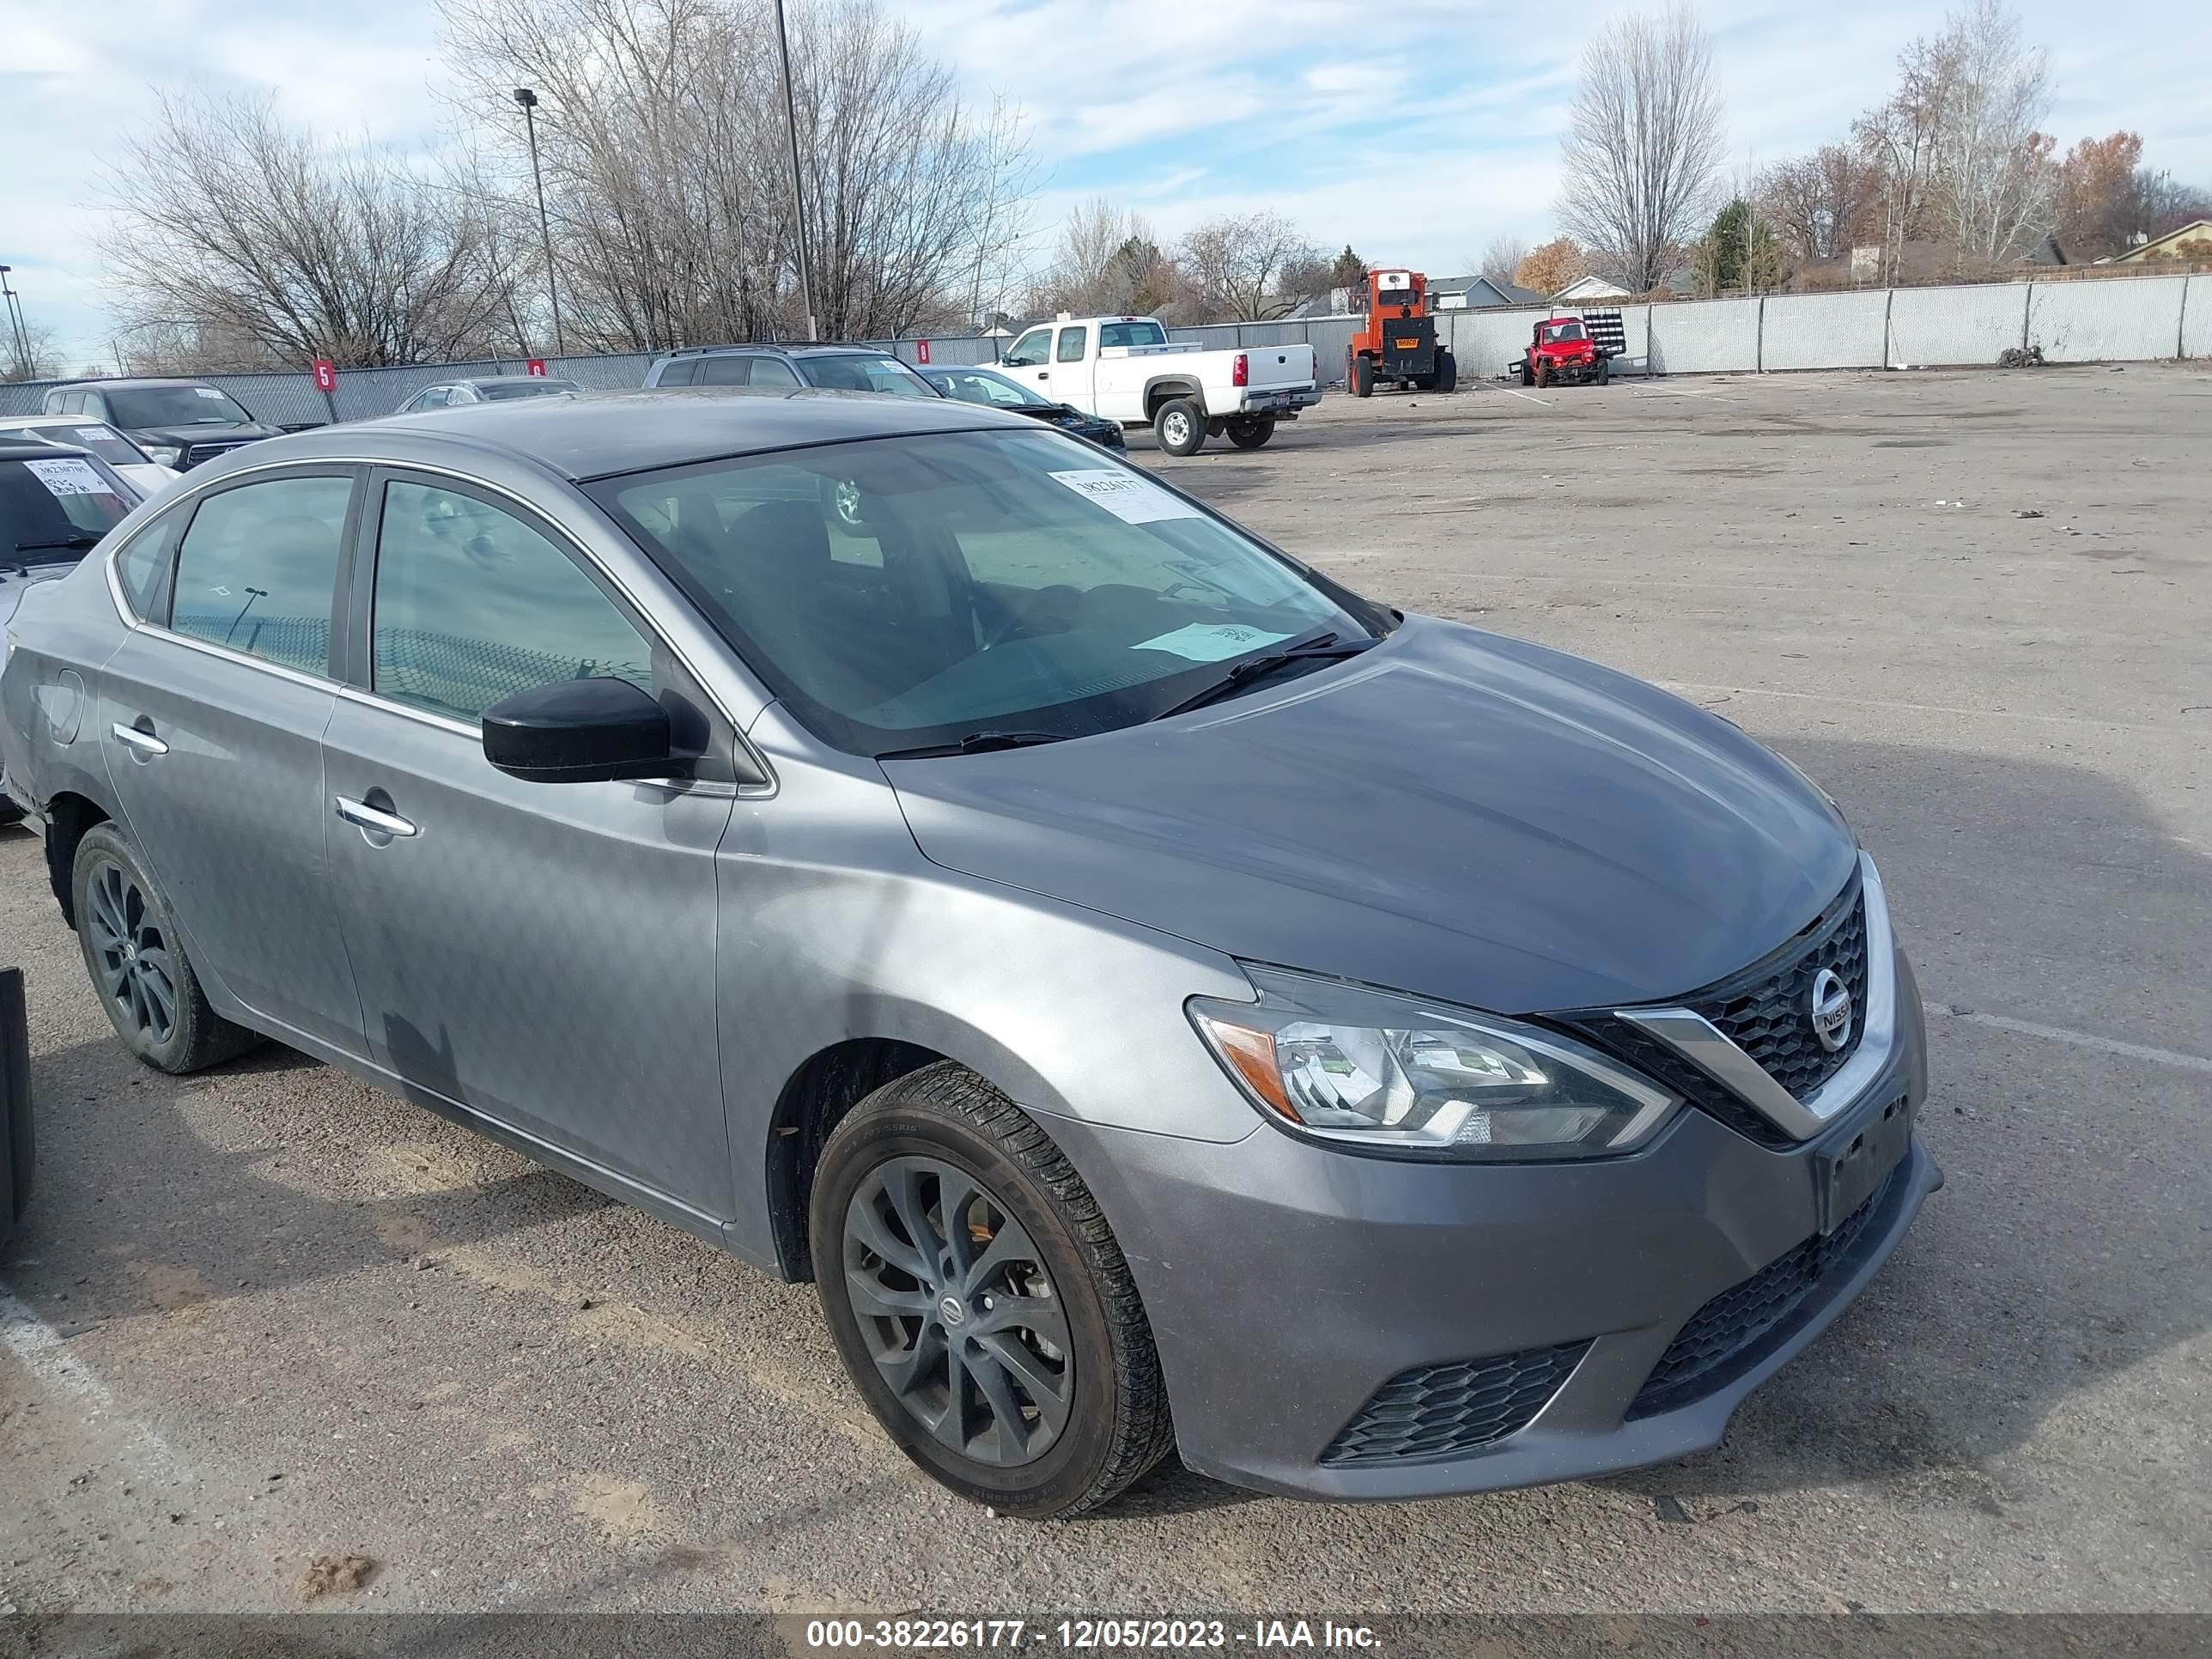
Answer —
1127 369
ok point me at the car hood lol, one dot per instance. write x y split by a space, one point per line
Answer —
1455 813
183 437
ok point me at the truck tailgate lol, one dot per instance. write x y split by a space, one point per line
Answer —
1267 368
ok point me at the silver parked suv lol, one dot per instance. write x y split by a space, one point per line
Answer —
1129 973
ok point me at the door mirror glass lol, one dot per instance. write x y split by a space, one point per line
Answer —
587 731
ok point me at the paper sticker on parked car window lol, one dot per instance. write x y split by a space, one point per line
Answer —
68 477
208 392
1210 641
1126 496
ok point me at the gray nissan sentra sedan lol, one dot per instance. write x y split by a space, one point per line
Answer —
1161 997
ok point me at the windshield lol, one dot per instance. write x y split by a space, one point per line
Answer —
537 387
980 386
1564 331
175 405
54 510
897 592
857 372
104 441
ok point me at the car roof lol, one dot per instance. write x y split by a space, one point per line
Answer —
498 379
597 434
787 349
129 385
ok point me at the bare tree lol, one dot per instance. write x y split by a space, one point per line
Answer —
1902 139
1821 206
255 232
1644 144
1994 182
670 192
1503 257
1102 258
1235 265
41 362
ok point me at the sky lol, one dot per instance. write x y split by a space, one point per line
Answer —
1416 130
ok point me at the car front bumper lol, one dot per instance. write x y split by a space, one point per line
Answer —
1305 1300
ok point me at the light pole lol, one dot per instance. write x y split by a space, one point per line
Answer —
22 337
528 99
798 193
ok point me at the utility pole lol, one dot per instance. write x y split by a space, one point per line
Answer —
16 328
528 99
798 193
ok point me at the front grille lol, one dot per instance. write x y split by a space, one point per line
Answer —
198 452
1745 1322
1447 1410
1766 1010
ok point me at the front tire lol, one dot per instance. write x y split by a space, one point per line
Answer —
1253 433
136 956
1362 377
1604 370
1179 425
980 1302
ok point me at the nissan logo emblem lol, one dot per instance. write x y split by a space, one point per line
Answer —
1831 1010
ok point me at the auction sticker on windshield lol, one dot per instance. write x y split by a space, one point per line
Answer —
1210 641
1126 496
67 476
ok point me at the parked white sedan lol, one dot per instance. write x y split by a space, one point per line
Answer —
142 473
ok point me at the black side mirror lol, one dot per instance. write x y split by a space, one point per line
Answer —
585 731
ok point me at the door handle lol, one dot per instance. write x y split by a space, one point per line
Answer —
1044 374
140 739
372 817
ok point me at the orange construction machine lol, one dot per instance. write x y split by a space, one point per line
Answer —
1397 345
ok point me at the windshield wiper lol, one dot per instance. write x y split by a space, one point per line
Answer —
82 539
1325 647
975 743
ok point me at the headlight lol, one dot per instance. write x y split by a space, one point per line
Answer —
164 455
1386 1073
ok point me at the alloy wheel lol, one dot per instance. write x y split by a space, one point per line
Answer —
957 1311
131 953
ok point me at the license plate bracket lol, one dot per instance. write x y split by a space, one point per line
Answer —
1847 1171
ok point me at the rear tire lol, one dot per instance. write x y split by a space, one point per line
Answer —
1447 375
1179 425
136 957
1002 1346
1604 370
1363 378
1252 434
1528 374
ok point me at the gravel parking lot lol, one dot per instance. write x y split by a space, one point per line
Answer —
267 1315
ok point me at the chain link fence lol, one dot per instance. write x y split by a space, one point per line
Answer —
2112 319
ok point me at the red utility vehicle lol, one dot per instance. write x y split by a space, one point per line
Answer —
1397 344
1561 351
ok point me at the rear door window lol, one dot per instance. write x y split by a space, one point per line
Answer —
258 565
725 371
680 372
1071 341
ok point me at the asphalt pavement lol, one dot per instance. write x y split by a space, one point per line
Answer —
273 1339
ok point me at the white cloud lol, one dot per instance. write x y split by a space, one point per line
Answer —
1416 131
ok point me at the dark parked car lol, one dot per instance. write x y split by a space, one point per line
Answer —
55 505
995 391
498 388
787 368
1162 999
178 424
